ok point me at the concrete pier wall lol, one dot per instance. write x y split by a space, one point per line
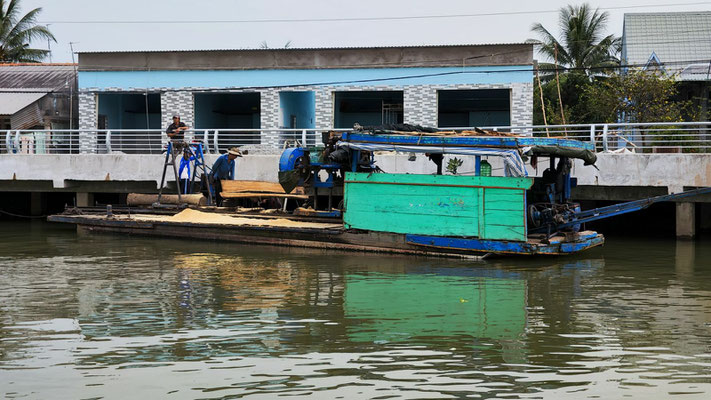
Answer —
673 172
619 177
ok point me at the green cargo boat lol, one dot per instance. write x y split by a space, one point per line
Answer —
435 214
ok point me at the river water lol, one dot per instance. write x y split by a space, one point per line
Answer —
119 317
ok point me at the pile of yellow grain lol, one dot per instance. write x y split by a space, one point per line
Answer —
199 217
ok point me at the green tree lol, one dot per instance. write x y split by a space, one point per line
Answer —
572 89
583 53
582 44
17 32
645 97
637 96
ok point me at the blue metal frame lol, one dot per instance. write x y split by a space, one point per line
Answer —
197 159
622 208
355 157
473 141
330 168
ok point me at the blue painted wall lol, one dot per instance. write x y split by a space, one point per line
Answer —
306 77
300 104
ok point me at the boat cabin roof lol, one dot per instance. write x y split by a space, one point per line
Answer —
507 145
500 142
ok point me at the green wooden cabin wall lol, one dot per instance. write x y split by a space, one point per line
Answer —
438 205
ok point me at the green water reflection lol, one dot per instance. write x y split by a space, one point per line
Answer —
402 307
116 317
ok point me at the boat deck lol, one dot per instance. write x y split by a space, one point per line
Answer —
315 233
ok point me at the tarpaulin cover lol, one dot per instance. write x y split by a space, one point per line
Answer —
587 156
389 128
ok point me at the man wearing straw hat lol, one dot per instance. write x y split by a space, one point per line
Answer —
223 168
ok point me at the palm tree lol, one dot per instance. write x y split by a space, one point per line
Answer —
265 45
17 32
582 45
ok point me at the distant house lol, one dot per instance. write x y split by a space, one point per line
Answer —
37 96
676 43
310 88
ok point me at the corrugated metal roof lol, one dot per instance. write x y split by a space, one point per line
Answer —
677 38
27 118
696 72
304 48
11 103
38 77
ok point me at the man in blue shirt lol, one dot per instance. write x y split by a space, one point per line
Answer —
223 168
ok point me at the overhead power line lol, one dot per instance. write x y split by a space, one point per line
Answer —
349 19
429 75
507 68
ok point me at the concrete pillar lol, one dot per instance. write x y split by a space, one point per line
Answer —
36 206
522 104
176 102
685 220
420 105
88 118
324 108
269 117
85 199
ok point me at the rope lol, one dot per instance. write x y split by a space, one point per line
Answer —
22 216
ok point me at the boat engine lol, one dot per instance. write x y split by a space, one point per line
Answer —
294 168
320 170
553 215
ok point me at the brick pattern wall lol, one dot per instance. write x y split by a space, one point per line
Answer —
88 119
269 116
522 104
324 109
87 110
420 105
420 102
180 103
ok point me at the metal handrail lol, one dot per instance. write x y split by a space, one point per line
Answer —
680 137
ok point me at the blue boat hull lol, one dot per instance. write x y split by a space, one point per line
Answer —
584 241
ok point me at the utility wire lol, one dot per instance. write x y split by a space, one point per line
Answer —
399 77
347 19
395 78
105 68
428 75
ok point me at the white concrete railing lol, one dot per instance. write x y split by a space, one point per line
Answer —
145 141
670 137
658 137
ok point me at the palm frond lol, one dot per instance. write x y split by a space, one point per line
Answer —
27 27
582 43
17 32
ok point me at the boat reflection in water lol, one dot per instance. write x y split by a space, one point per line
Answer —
254 305
228 321
402 307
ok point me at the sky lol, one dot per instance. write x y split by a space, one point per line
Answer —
99 25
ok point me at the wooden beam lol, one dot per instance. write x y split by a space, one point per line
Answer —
239 186
230 195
